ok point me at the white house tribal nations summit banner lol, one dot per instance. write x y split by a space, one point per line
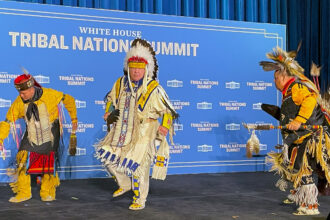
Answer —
208 67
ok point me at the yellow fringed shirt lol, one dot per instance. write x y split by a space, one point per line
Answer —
50 97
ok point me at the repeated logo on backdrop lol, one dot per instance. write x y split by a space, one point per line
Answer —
174 83
179 105
204 83
233 85
4 103
76 79
6 78
42 79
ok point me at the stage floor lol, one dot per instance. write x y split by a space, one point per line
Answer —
200 196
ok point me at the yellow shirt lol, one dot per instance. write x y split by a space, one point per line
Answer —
50 97
305 99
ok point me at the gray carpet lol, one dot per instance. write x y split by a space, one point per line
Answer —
239 196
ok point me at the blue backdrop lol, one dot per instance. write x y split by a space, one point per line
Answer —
209 69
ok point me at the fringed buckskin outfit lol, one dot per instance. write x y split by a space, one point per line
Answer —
37 152
305 150
129 149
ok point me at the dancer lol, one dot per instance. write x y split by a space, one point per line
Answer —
133 108
304 150
38 149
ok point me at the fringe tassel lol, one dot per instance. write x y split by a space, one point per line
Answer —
61 117
140 156
14 133
321 154
305 194
282 184
161 161
252 145
292 195
305 170
124 165
171 134
327 143
14 130
311 147
159 172
132 159
104 141
276 159
13 173
55 181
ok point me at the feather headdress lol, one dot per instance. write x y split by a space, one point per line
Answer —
142 49
286 61
141 52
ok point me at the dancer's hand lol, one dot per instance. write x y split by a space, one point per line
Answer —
293 125
74 126
162 130
105 116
